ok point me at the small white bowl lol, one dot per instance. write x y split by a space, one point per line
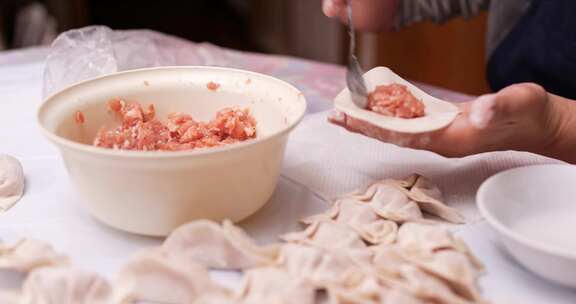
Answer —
534 211
152 193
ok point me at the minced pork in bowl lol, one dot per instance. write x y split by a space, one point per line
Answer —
153 192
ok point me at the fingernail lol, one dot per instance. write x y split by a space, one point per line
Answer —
337 117
329 8
482 111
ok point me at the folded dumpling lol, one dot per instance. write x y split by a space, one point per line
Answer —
65 285
426 239
360 217
391 203
324 267
154 276
456 269
28 254
425 286
275 286
218 246
327 234
368 291
429 198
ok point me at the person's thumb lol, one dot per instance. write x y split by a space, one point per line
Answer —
518 98
506 105
333 8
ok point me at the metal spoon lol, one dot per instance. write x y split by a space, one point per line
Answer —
354 78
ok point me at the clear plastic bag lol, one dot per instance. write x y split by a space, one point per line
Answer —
94 51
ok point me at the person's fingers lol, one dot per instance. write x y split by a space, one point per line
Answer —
518 98
418 141
338 118
357 126
333 8
453 141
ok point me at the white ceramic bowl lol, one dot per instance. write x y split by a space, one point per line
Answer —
151 193
534 211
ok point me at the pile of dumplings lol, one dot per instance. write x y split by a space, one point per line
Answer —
386 244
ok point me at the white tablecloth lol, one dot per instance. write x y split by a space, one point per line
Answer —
321 161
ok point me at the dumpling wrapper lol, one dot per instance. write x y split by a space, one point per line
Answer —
277 286
368 291
425 239
64 285
28 254
153 276
438 113
430 199
324 267
406 183
387 259
452 268
327 234
360 217
371 291
418 190
11 182
456 269
390 200
393 204
400 296
425 286
218 246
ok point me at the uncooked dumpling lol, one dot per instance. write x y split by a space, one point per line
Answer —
380 232
327 234
324 267
455 268
328 215
417 190
389 201
368 291
426 239
387 260
212 245
360 217
275 286
63 285
438 113
400 296
154 276
354 213
425 286
393 204
11 182
429 198
28 254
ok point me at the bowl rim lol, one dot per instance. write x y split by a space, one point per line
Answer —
510 233
63 142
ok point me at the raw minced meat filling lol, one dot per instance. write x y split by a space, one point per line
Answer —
140 130
395 100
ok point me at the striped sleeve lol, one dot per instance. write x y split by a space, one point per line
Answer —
410 11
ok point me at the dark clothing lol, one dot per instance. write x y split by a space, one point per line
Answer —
527 40
541 48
